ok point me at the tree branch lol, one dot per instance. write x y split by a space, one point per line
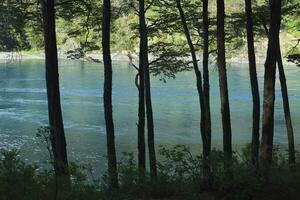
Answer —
135 67
137 81
149 6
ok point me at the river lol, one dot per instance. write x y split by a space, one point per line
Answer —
23 108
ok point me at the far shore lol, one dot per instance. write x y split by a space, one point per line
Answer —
8 57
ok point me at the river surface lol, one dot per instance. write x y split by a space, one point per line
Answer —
23 108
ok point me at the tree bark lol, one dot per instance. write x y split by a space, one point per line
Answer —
145 62
198 77
253 82
141 121
225 110
207 149
141 114
286 107
107 96
58 139
269 87
53 93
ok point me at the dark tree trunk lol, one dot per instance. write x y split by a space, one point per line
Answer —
269 87
254 84
198 76
286 107
141 121
150 125
145 62
52 81
207 149
107 96
225 110
141 114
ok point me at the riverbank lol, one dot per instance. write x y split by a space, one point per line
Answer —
9 57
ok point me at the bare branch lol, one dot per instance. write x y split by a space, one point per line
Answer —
136 11
149 6
135 67
212 51
294 47
137 81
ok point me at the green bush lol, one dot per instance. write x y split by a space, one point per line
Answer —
181 175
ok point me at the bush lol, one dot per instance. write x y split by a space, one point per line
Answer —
181 175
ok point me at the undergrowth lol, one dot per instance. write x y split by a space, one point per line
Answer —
181 175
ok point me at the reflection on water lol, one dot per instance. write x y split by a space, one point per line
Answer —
23 108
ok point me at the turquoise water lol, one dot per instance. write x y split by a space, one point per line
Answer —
23 108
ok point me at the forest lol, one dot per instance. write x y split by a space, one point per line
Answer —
197 99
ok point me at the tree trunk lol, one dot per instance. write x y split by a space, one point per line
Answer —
107 96
207 149
286 107
225 110
145 62
141 121
254 84
198 76
141 114
53 93
269 87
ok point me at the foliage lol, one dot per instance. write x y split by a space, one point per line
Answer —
12 24
79 28
124 38
291 17
180 176
80 22
23 181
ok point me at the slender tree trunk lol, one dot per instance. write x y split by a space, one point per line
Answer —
286 107
225 110
141 115
254 83
198 77
53 94
150 125
107 96
207 149
145 63
269 87
141 121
